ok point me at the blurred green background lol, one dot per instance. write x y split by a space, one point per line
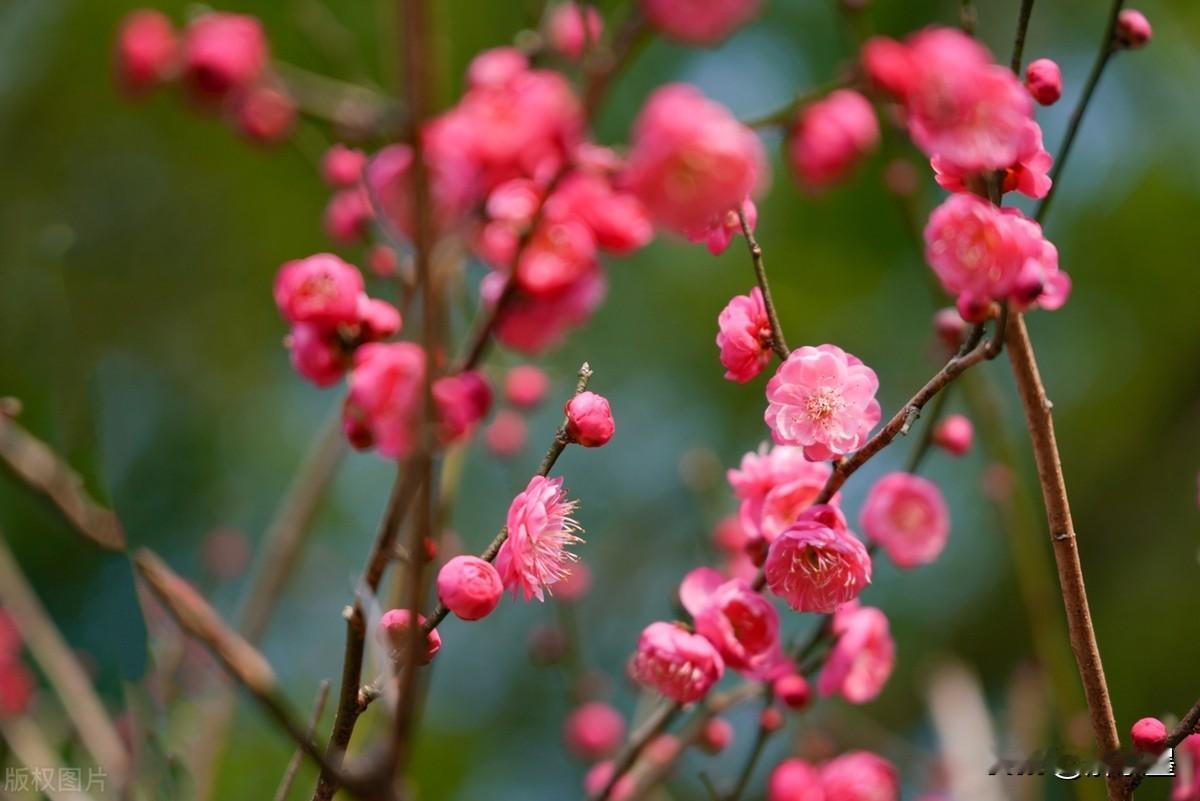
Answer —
137 248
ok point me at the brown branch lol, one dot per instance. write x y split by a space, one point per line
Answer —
38 466
289 775
1066 553
1018 50
778 343
62 669
655 725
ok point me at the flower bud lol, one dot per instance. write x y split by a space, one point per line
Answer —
716 735
383 261
525 386
1133 29
572 29
469 587
342 166
793 690
771 719
950 327
265 114
589 420
146 51
1149 736
1043 79
394 635
594 730
954 434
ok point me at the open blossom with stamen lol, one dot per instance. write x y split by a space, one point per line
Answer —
741 623
680 665
822 399
862 657
534 556
860 776
744 336
817 565
775 486
908 517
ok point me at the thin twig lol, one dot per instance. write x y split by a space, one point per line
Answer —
761 737
1018 50
61 667
38 466
289 775
1107 48
778 343
657 723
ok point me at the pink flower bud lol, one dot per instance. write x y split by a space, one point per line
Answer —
321 289
469 587
744 336
316 354
679 665
830 137
589 420
699 22
222 52
383 261
381 408
793 690
716 735
600 774
1043 79
347 216
506 434
377 319
795 780
1133 29
395 636
265 113
950 328
1149 736
771 719
571 29
146 51
973 308
575 584
888 65
462 401
594 730
342 166
954 434
525 386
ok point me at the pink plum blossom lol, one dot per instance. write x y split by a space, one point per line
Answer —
1028 174
679 665
505 435
347 216
572 28
395 635
557 255
589 420
1043 79
699 22
741 623
532 325
316 354
526 385
594 730
907 516
147 50
469 587
860 776
691 160
823 400
744 336
830 137
974 248
954 434
721 230
816 566
1149 736
321 289
617 220
774 487
264 113
862 656
540 529
1186 786
462 400
795 780
222 52
342 166
384 400
1133 29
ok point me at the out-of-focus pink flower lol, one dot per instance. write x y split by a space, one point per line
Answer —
860 776
531 325
223 52
888 65
575 584
822 399
383 261
1028 174
954 434
557 255
526 385
1149 736
505 435
862 657
572 29
469 587
774 487
793 690
817 567
594 730
395 635
699 22
16 689
716 735
342 166
321 289
265 113
679 665
721 230
795 780
908 517
1043 79
534 556
347 216
316 354
377 319
617 220
1186 786
830 137
691 160
729 536
742 624
973 247
1133 29
663 749
462 400
598 777
385 397
146 52
589 420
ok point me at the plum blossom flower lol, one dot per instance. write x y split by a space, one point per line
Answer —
1186 786
741 623
1028 174
316 354
347 216
1043 79
862 657
830 137
462 400
860 776
572 28
469 587
146 52
394 628
691 160
795 780
264 113
525 385
679 665
954 434
589 420
720 230
817 565
321 289
384 399
530 324
342 166
744 336
594 730
774 487
822 399
700 22
908 517
223 52
534 556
